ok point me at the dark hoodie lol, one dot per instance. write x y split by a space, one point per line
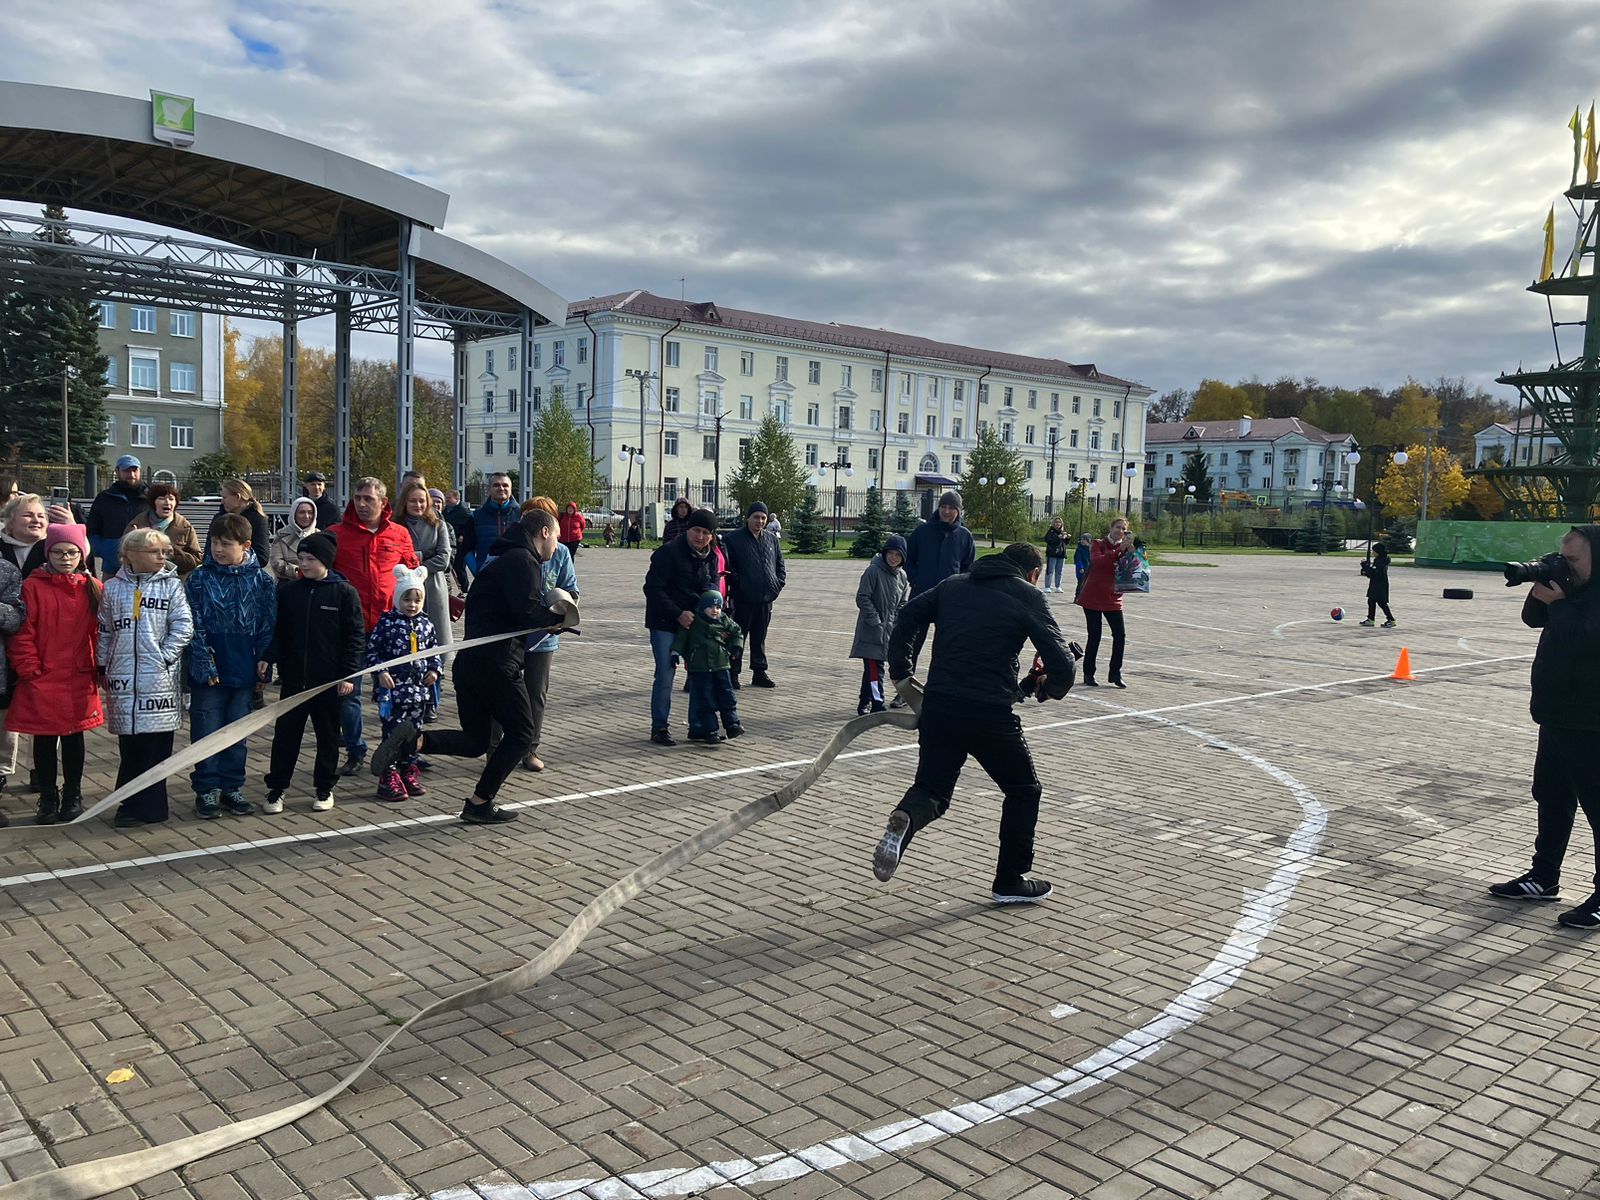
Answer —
935 551
981 620
681 508
506 596
1566 666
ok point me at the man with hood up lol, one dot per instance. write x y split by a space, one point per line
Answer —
679 521
1565 704
980 621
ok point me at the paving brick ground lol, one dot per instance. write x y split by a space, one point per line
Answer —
1393 1034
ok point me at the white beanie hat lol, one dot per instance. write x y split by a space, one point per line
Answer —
408 580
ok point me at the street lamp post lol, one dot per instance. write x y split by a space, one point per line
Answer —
1050 500
835 467
1083 500
993 485
1129 473
1398 456
631 455
1188 499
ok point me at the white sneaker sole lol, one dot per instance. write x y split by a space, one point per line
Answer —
886 856
321 805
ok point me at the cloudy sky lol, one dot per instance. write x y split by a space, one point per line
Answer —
1171 189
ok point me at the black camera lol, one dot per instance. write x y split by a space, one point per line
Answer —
1552 569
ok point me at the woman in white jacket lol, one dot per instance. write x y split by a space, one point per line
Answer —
145 624
283 559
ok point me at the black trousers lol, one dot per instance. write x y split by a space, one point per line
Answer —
1373 604
1564 779
485 694
536 682
994 738
138 752
44 761
1119 641
873 673
289 731
752 619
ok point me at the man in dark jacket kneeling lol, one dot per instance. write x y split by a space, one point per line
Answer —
981 620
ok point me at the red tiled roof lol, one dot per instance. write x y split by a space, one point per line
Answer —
1262 429
854 337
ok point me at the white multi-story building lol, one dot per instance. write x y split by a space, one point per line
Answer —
1275 461
688 383
1520 443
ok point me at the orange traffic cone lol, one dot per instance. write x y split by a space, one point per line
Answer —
1402 667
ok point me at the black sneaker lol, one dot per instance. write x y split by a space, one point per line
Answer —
662 737
1116 681
886 855
735 682
402 743
487 813
709 739
762 679
1525 887
1585 916
735 730
1021 891
352 762
1088 681
126 820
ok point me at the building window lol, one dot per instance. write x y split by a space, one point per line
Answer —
1266 481
1055 402
872 458
1224 453
672 354
1097 406
558 354
538 355
930 425
488 441
108 315
1072 437
955 464
744 449
813 414
111 372
708 492
1094 439
905 383
538 398
181 376
672 399
780 368
1169 460
1072 472
583 394
1007 399
903 423
708 446
814 371
183 324
933 387
143 373
583 349
983 393
511 358
780 409
711 358
902 461
1094 472
488 362
488 400
875 421
672 444
747 408
141 318
1077 405
1029 433
710 403
111 431
747 362
1033 398
846 373
1266 458
1027 469
1116 408
1005 432
877 379
669 485
812 457
558 394
511 442
844 416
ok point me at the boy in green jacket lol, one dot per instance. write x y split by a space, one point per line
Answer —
708 648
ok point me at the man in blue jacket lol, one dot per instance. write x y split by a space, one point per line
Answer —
490 522
936 550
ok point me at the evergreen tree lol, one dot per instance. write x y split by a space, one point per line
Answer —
904 518
1001 508
771 472
1197 473
562 467
1324 531
871 527
40 337
806 529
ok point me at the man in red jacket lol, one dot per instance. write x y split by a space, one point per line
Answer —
572 527
370 545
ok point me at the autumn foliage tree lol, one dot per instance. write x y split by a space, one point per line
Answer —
1400 486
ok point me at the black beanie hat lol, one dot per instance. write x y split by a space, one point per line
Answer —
952 498
702 518
321 545
755 508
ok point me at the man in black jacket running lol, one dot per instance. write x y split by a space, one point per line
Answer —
508 595
980 621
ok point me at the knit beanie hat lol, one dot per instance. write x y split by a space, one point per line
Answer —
436 495
74 535
952 498
712 599
320 545
755 508
408 580
702 518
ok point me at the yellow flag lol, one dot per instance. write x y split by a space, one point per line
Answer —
1591 156
1547 267
1576 125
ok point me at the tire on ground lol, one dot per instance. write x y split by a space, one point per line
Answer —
1458 593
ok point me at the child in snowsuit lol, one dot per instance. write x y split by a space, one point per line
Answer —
53 654
707 648
1377 573
409 692
144 626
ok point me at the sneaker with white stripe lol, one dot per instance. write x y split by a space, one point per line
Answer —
1585 916
1525 887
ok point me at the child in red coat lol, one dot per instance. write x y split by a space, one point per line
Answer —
54 656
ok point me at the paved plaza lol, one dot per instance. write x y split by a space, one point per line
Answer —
1269 968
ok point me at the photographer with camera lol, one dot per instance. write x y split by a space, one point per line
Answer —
980 621
1565 704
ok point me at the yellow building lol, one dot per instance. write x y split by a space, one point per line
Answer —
655 375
